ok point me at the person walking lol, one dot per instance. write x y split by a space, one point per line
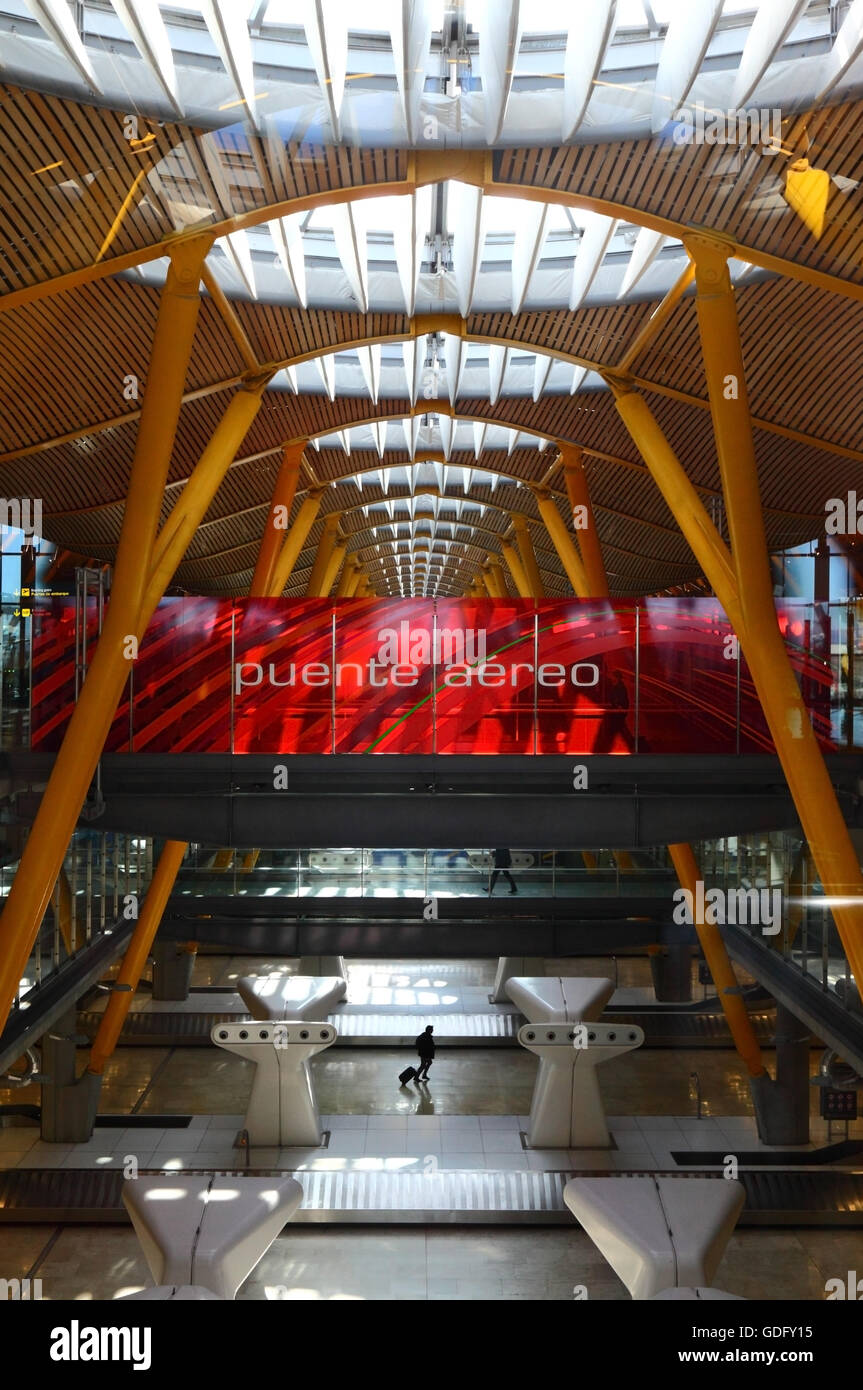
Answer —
502 863
426 1049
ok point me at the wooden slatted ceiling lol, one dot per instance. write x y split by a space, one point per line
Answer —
792 475
727 188
730 190
65 358
802 350
45 233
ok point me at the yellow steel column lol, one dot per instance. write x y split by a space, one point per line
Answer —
824 825
354 581
335 563
169 549
188 510
348 579
479 584
680 496
326 544
496 573
296 539
527 553
490 581
587 536
66 906
712 554
91 719
280 510
721 969
562 542
516 569
137 951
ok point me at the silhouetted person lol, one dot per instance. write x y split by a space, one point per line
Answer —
613 726
425 1048
502 862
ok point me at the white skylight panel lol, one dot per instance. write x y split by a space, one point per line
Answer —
589 35
288 238
379 432
326 26
409 361
370 362
541 372
578 375
648 245
774 20
686 42
239 254
479 433
498 24
444 424
55 17
409 24
454 355
847 47
498 361
229 29
409 219
466 223
527 250
146 28
411 428
598 231
349 233
326 367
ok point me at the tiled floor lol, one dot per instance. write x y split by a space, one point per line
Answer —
399 1143
324 1263
469 1118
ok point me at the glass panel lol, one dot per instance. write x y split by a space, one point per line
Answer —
282 676
385 669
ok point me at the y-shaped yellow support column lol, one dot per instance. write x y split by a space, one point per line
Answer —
91 719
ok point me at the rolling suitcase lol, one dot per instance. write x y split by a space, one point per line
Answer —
407 1075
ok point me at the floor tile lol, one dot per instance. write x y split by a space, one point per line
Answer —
501 1141
461 1141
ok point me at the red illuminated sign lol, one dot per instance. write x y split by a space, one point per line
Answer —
421 676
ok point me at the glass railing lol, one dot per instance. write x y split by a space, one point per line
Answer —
384 874
803 931
103 880
499 676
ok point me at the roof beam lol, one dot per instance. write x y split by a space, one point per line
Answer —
580 364
425 167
